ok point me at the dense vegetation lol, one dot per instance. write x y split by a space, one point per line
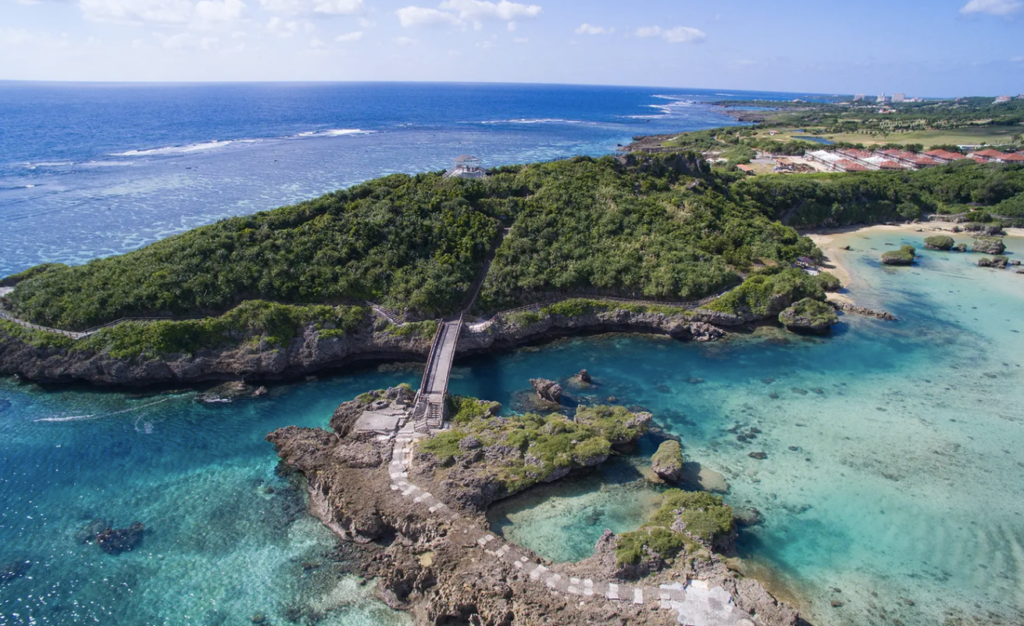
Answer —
412 242
657 228
530 448
703 516
597 227
806 200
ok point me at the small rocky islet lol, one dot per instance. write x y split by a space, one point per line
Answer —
410 507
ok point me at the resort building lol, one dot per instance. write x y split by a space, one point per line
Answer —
1002 99
899 97
909 160
466 166
944 156
995 156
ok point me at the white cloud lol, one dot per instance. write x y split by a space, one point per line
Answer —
486 45
590 29
512 26
404 41
421 16
187 41
310 7
467 12
478 9
348 37
201 14
287 28
679 34
992 7
520 40
317 43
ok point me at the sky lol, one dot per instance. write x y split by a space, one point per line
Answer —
920 47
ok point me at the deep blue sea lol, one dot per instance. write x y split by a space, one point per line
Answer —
89 170
893 478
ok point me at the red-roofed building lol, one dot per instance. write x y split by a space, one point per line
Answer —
989 155
1013 157
890 165
847 165
978 159
944 156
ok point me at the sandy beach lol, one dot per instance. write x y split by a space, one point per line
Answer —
831 242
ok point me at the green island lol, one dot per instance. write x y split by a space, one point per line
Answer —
661 230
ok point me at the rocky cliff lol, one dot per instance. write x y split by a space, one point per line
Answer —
312 352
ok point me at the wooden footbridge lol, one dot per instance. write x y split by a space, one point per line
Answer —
429 410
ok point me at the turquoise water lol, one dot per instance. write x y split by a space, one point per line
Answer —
894 449
904 484
226 538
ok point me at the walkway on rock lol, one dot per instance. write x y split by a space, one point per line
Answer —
697 605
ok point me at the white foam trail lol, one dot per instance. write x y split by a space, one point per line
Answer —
97 416
66 419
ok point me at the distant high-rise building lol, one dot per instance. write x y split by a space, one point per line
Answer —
899 97
883 98
859 96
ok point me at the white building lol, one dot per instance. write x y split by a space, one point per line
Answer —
466 166
899 97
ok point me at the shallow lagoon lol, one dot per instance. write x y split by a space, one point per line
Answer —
905 484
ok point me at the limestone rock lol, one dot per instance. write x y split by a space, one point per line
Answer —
547 390
810 316
904 256
998 262
939 242
988 245
667 462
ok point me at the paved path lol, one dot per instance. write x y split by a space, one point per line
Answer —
696 605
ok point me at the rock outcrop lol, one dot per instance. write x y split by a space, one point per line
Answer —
547 390
809 316
989 245
998 262
849 307
939 242
667 462
904 256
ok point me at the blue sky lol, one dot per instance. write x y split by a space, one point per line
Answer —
921 47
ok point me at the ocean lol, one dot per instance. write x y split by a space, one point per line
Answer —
891 485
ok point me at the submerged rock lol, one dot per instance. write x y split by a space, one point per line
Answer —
960 247
547 390
228 392
12 570
117 540
809 316
667 462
